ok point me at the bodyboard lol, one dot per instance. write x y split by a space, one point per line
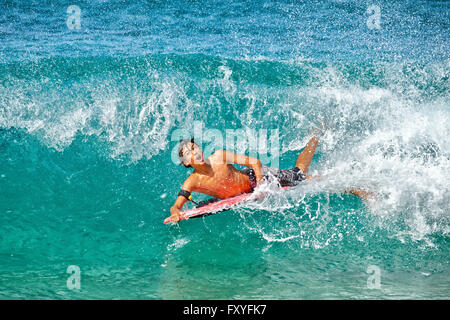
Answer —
214 207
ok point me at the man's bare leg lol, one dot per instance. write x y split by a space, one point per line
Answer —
363 194
304 159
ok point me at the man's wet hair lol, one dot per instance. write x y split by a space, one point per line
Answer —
183 142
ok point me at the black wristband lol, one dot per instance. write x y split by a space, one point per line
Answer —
184 193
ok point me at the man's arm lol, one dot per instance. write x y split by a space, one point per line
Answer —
175 210
254 163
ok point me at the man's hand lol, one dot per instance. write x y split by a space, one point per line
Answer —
175 217
254 163
257 168
175 214
175 210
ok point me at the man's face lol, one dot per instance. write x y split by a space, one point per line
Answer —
192 154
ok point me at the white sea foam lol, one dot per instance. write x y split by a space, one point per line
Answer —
389 140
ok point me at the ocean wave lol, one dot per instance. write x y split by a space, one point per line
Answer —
389 128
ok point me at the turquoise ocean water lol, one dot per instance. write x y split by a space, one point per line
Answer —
87 118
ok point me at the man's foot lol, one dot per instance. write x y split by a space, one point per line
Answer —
321 128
